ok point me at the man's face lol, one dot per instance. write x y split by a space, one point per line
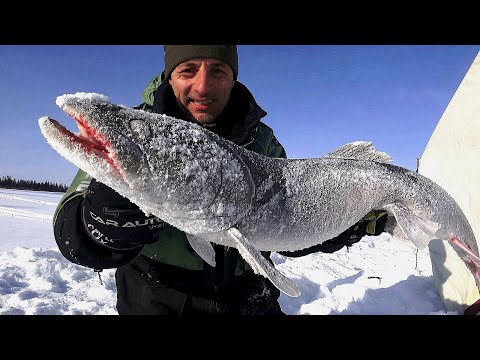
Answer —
202 88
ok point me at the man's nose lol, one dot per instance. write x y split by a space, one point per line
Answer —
203 82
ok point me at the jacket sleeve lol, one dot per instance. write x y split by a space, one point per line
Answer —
71 237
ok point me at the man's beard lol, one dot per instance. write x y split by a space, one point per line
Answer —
206 122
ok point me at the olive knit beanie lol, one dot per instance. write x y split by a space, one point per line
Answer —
176 54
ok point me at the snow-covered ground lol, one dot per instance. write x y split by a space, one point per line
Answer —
378 275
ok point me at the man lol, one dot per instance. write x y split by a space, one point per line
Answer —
157 270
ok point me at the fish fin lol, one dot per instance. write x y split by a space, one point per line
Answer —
416 228
261 266
203 248
360 150
392 228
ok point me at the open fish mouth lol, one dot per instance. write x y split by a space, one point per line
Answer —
90 146
91 139
87 140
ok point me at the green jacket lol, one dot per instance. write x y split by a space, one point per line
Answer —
172 247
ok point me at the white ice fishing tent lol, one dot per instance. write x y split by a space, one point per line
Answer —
452 159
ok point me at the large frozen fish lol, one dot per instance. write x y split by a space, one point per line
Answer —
218 192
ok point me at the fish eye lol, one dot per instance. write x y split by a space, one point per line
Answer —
140 129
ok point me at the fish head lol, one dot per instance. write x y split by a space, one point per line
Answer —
102 147
176 170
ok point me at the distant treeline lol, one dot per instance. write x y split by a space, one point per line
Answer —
11 183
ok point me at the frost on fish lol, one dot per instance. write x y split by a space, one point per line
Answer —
94 97
199 179
206 186
164 165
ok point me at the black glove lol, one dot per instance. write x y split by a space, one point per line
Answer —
114 221
371 224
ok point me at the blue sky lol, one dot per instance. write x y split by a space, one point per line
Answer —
318 97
